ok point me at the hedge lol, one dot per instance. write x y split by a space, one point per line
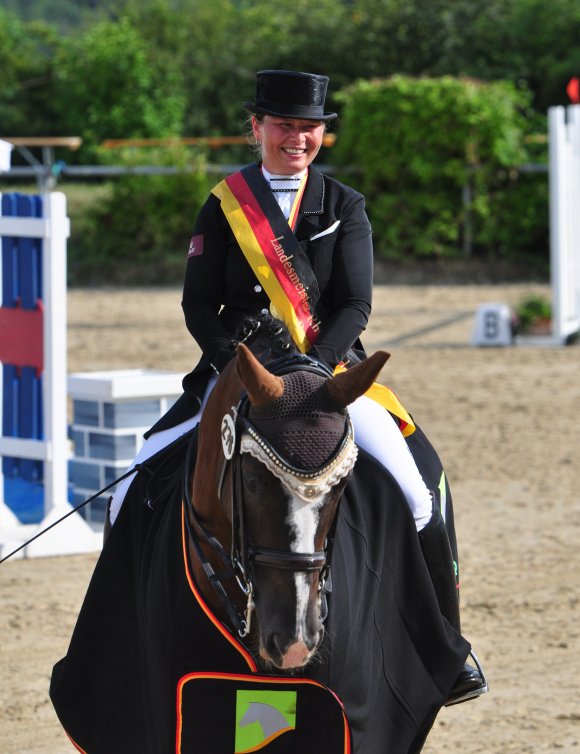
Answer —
438 160
139 229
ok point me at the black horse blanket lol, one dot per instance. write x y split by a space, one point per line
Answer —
149 670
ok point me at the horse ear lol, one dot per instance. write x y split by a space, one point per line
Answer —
262 385
349 385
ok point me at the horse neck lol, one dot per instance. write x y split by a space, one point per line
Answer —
205 499
210 455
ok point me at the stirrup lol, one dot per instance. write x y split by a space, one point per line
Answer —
483 688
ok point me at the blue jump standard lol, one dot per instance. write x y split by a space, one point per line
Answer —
26 499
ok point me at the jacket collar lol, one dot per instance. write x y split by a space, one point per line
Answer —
313 201
312 205
314 193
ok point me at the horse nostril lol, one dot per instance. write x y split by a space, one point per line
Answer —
273 648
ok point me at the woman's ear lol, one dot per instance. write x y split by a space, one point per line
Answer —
256 129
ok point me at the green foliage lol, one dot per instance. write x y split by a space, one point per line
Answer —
542 48
218 44
436 160
26 54
64 12
532 308
106 86
195 61
104 69
139 230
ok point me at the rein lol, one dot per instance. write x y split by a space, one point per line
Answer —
163 455
239 436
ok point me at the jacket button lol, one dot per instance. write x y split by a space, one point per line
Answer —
257 289
264 311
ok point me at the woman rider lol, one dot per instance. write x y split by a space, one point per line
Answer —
284 214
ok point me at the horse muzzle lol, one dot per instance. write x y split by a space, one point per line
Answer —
295 654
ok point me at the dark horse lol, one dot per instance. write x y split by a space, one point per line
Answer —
254 593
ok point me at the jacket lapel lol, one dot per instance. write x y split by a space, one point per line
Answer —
312 206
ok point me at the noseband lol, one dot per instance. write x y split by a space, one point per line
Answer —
240 436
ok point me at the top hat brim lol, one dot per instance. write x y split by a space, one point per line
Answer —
298 112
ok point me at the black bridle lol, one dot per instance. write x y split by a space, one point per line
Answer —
245 555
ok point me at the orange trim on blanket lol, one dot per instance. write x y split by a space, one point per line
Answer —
253 679
205 607
74 743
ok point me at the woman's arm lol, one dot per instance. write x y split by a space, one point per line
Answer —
204 284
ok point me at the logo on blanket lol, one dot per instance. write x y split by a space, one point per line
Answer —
262 716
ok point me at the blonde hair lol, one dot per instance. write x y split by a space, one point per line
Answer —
248 132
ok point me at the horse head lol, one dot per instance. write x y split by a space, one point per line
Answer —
270 493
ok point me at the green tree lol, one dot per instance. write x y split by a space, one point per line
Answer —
221 44
26 98
139 230
107 86
546 54
66 15
207 45
523 41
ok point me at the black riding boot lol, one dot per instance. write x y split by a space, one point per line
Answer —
439 559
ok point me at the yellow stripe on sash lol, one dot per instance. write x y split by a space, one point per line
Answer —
297 200
252 250
385 397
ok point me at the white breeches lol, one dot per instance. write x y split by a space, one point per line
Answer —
374 431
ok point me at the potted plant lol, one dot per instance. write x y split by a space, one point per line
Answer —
534 315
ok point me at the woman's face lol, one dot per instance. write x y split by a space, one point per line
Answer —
288 144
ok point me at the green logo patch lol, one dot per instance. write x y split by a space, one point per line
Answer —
262 716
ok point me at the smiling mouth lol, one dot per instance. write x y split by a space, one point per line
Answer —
292 151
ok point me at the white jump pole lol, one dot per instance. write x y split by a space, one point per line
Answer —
57 231
564 170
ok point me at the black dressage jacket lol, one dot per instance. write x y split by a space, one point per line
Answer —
220 289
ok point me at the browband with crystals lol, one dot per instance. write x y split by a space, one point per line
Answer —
308 485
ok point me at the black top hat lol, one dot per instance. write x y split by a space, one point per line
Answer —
289 94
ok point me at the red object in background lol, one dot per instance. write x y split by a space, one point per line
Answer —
21 337
573 90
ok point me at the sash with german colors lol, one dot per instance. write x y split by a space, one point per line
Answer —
272 251
283 268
